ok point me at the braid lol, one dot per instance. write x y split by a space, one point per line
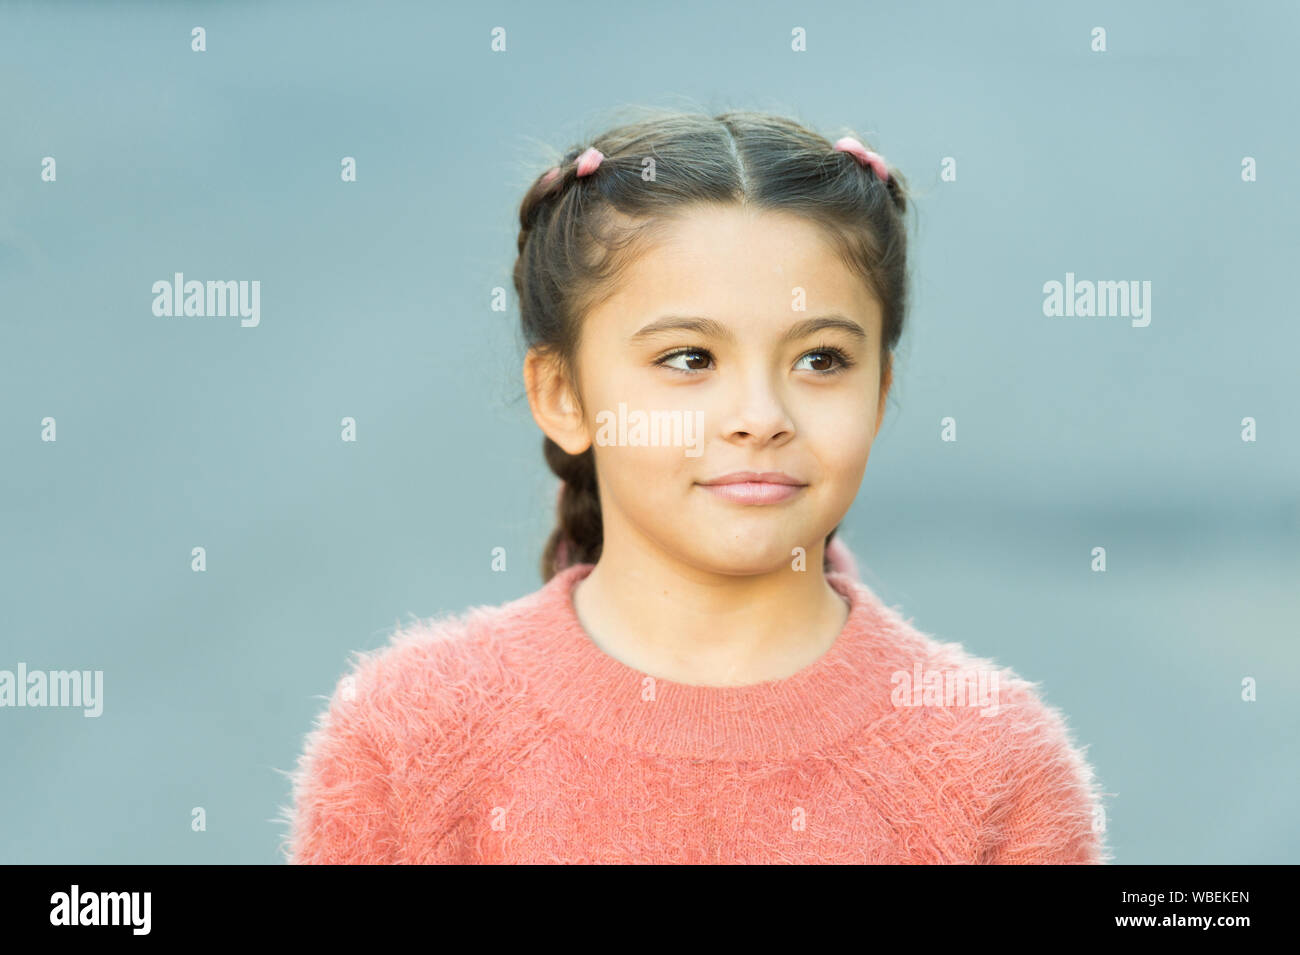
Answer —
829 553
897 193
579 534
544 189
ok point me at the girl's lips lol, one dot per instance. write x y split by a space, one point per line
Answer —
754 492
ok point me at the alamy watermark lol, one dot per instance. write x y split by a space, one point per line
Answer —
651 429
948 687
102 908
179 298
83 688
1104 299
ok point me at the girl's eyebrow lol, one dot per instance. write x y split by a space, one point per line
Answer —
710 327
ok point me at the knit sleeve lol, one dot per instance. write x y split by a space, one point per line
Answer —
1047 804
343 805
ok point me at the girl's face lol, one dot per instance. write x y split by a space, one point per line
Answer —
751 385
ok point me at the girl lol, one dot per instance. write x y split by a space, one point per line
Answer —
711 306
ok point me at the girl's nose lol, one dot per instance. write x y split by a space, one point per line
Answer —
757 414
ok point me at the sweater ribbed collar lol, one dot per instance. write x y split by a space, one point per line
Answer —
802 714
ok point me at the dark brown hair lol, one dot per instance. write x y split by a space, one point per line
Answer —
577 233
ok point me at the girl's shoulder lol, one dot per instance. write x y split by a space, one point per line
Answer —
439 669
962 692
989 732
404 722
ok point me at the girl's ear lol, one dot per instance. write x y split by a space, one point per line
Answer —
553 402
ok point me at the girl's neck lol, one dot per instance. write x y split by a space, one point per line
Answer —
690 626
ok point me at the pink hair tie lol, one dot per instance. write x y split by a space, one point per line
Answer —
864 156
589 161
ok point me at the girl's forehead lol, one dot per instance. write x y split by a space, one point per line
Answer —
736 274
766 252
702 222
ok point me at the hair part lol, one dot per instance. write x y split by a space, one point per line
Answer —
577 234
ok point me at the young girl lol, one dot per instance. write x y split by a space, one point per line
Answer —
711 306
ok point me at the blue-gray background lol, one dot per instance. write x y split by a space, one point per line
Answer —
376 296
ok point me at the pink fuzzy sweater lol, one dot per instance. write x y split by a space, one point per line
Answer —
504 735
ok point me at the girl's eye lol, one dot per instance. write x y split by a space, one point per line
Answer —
823 354
835 355
687 353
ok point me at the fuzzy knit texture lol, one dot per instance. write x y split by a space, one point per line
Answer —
503 734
